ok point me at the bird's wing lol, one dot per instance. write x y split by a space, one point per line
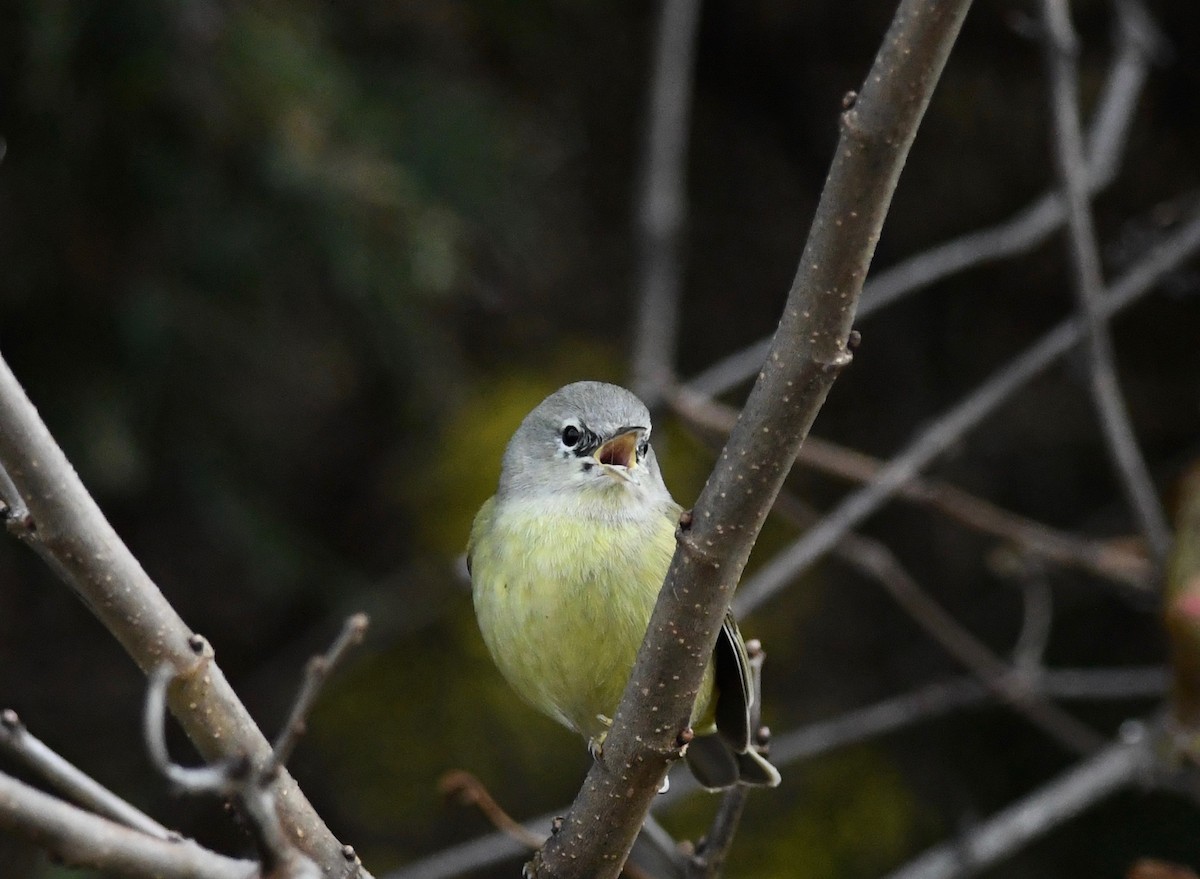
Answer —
481 520
735 687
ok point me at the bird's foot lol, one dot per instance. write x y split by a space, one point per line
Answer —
596 747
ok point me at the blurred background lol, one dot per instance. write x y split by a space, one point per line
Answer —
282 278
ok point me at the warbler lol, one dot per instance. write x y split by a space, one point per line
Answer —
566 562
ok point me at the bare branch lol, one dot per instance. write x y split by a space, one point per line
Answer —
317 673
1146 682
71 534
878 128
1138 42
1088 281
468 790
236 778
1101 775
1107 559
71 781
82 839
969 650
221 779
859 725
16 514
657 848
663 200
950 427
1017 686
1037 602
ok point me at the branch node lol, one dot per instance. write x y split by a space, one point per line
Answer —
20 523
837 363
849 99
11 721
1131 731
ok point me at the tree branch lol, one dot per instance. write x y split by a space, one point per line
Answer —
809 350
67 529
663 200
82 839
858 725
1102 558
951 426
316 675
995 674
1099 776
1088 281
71 781
1138 43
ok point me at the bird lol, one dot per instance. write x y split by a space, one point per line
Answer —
566 561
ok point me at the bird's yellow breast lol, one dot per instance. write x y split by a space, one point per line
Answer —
563 602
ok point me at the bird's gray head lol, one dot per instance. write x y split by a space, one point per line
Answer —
587 439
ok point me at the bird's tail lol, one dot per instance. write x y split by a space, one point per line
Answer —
716 765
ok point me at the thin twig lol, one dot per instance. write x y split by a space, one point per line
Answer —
83 839
1117 766
879 562
72 782
14 510
946 430
1109 559
221 779
1088 281
935 700
970 651
468 790
317 673
662 203
1037 603
1138 43
658 851
237 778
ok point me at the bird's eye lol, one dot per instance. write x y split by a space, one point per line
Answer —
571 435
643 450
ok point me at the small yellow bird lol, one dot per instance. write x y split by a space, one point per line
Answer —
566 563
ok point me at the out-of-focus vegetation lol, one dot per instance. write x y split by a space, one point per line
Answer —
283 277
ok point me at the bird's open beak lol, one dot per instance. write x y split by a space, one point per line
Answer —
620 451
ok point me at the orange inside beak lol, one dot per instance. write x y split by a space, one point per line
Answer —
620 451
